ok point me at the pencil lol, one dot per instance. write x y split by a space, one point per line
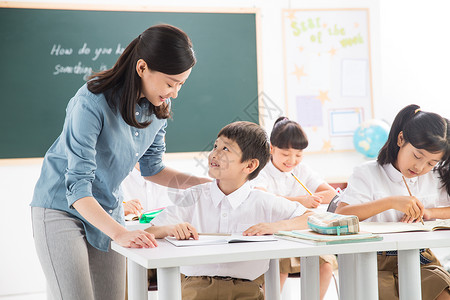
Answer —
409 191
301 184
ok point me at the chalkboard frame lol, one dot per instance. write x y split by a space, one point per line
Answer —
137 8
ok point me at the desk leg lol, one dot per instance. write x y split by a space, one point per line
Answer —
137 281
169 283
367 276
409 282
347 276
309 278
272 280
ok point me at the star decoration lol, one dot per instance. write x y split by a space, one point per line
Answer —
301 49
291 15
299 72
327 147
332 51
323 96
356 24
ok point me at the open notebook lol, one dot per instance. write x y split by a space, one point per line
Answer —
392 227
216 240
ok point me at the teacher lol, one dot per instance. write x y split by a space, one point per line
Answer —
114 121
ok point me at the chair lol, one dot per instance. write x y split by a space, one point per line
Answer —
333 204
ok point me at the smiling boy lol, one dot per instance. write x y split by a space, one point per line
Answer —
229 205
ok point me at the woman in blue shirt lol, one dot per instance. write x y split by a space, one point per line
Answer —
114 121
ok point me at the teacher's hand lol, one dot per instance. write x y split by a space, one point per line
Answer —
136 239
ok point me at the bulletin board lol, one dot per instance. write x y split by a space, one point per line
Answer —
328 73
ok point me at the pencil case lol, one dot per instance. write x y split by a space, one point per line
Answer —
147 217
331 223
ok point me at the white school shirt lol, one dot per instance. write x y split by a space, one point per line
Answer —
151 195
371 181
208 209
284 184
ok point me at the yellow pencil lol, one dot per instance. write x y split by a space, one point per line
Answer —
407 187
301 184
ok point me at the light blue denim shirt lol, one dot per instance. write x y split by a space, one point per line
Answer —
94 153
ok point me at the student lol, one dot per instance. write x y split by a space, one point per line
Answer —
418 148
229 205
115 120
287 142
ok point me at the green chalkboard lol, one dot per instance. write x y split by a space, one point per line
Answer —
46 54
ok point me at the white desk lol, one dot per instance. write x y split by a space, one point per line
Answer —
168 258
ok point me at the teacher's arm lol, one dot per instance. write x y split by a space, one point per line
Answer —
174 179
91 210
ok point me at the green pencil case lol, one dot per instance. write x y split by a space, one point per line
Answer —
147 217
331 223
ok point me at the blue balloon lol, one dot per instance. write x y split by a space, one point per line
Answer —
370 136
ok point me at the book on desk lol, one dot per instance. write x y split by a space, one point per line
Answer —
394 227
219 239
311 237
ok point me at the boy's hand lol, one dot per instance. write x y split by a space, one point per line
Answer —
411 206
133 207
261 229
311 201
183 231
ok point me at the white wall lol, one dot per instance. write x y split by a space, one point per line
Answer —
413 64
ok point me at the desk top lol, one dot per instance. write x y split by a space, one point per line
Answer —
167 255
419 239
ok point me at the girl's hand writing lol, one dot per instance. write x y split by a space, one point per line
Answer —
136 239
411 206
311 201
427 214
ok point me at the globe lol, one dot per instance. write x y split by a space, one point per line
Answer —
370 136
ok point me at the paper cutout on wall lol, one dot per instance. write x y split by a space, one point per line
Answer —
309 111
343 122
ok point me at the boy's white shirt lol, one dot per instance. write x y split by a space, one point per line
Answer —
371 181
151 195
209 210
284 184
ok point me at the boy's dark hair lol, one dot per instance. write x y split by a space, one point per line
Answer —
165 48
423 130
288 134
252 141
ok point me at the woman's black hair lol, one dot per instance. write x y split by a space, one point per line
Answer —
288 134
423 130
164 48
